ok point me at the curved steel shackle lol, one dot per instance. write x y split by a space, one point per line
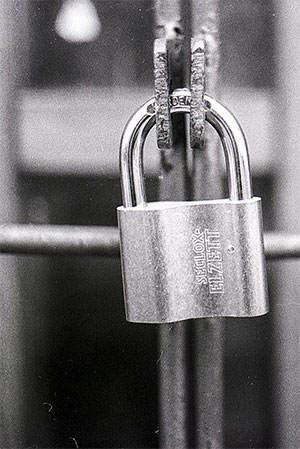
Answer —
231 135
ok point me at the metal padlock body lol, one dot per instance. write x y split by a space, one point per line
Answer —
192 259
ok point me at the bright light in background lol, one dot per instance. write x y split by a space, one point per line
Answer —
78 21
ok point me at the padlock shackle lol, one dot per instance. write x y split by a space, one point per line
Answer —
231 135
235 149
145 114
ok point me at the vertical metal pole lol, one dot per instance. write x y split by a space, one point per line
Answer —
286 307
11 363
173 391
208 334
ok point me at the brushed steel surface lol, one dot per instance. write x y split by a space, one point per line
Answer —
193 259
196 259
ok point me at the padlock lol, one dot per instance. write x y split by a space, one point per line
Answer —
191 259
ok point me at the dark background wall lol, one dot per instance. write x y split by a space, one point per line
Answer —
123 52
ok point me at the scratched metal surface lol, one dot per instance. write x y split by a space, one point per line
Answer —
172 272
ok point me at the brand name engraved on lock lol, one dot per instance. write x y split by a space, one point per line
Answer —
208 266
180 98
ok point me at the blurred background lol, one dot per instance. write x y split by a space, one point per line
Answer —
89 378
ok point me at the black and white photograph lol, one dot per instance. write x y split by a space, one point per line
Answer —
150 224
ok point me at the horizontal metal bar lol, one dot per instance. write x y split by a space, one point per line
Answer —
280 245
104 241
59 240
